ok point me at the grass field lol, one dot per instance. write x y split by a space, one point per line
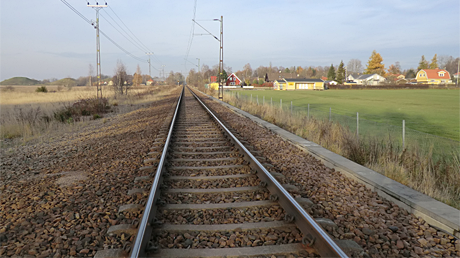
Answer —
426 163
431 111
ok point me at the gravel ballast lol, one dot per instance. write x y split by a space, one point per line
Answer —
59 197
382 228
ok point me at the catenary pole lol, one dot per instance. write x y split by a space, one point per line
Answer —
150 69
98 7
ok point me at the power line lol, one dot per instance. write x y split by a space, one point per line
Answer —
125 36
148 50
77 12
192 32
100 31
128 53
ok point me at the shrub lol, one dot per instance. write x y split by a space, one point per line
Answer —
62 115
83 107
41 89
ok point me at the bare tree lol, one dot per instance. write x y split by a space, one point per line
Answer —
120 85
137 79
90 75
354 66
247 70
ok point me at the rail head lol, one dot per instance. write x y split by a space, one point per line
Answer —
143 234
317 237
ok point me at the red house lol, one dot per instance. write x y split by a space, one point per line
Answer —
233 80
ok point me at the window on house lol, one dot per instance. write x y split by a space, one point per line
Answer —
441 74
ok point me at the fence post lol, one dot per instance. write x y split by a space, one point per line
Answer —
404 134
281 104
308 112
291 107
357 125
330 114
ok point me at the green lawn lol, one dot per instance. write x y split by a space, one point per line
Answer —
431 111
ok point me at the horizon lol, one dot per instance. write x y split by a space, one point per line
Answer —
61 44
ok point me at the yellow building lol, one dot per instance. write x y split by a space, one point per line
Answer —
433 76
214 86
298 84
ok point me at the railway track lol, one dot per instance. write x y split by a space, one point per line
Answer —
211 197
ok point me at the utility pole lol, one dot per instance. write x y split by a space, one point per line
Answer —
98 7
163 69
458 71
150 72
221 58
221 52
199 65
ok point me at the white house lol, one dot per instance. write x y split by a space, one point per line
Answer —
370 79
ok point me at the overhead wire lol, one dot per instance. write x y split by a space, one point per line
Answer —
101 32
125 36
148 50
141 45
192 32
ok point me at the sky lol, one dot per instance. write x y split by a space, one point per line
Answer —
46 39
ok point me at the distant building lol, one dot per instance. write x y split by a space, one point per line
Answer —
370 79
352 77
396 78
150 82
433 76
298 84
330 82
233 80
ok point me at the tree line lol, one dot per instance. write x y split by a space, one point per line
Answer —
338 73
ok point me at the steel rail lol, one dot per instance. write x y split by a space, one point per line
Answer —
145 227
314 234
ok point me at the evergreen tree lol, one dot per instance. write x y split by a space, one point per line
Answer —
340 73
410 74
423 64
331 73
223 77
434 62
374 65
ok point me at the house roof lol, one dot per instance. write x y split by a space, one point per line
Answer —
364 76
235 76
434 73
303 80
354 75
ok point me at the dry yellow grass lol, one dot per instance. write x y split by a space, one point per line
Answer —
413 166
23 111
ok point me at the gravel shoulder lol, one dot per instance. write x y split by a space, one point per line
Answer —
58 197
382 228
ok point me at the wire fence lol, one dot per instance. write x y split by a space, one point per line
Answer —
400 136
